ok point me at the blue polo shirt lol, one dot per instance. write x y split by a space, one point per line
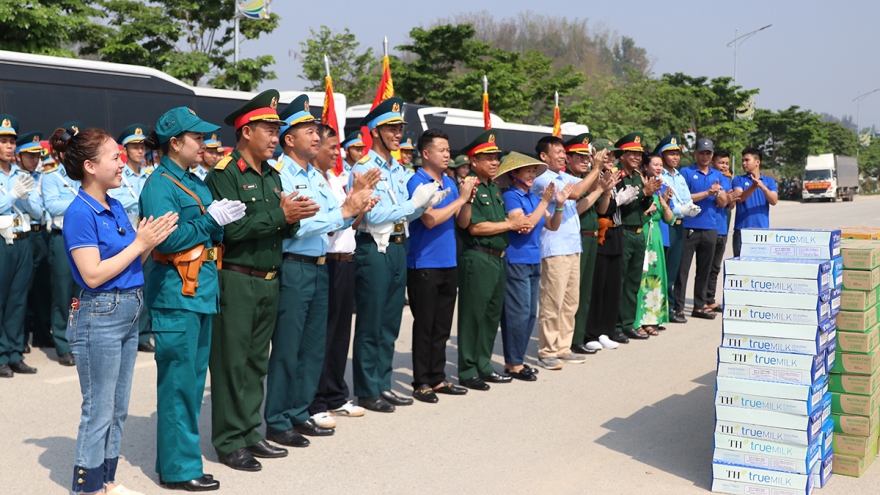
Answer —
698 182
754 212
432 248
721 211
88 224
524 249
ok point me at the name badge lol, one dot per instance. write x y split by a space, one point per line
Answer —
248 187
300 186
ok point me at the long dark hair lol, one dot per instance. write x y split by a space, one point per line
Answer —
77 147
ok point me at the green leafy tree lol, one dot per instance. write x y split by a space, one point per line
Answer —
48 27
355 73
187 39
788 136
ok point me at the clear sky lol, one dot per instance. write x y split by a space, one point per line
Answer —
818 54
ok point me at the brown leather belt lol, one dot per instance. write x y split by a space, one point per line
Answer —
36 227
678 222
20 235
250 271
491 252
313 260
590 233
637 230
349 257
393 239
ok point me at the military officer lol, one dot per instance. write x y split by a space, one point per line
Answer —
212 154
670 152
407 150
354 149
481 272
632 220
380 259
248 283
29 152
16 258
299 340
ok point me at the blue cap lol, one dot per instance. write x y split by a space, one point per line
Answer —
29 143
213 142
354 139
74 126
407 143
135 133
8 125
670 143
296 112
179 120
386 113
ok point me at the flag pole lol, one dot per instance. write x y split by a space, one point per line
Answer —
327 65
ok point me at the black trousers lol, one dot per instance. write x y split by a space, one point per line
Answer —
605 302
702 242
717 261
432 294
737 243
332 389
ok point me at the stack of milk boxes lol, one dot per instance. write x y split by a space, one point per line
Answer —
854 380
773 426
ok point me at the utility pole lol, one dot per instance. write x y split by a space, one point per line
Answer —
739 40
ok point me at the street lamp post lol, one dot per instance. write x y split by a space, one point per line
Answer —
858 99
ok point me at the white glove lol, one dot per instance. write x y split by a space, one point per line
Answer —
24 184
626 195
423 194
225 212
438 196
690 209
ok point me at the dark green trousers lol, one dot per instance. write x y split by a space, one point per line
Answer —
145 327
39 303
183 345
673 261
481 282
298 344
16 266
380 294
240 358
588 263
633 259
63 288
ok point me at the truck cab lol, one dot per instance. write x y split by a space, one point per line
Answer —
830 177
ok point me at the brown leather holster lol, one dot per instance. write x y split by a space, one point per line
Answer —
189 262
604 225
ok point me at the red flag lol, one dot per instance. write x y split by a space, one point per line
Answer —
557 123
383 92
328 118
487 117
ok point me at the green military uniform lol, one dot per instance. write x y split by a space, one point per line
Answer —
248 287
632 221
481 274
181 323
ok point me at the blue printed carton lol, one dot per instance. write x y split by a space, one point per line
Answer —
837 271
802 400
763 314
768 433
812 287
822 471
801 429
728 478
821 303
791 243
771 366
777 337
769 455
818 270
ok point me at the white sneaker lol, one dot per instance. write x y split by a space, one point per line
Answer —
608 343
121 490
324 420
350 410
594 345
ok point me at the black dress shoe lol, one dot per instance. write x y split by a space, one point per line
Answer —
496 378
449 388
312 429
582 349
425 394
203 484
241 460
619 338
289 438
522 374
146 347
22 368
396 400
27 349
66 360
5 371
633 334
703 314
265 450
48 343
206 475
376 404
475 383
661 328
531 370
677 318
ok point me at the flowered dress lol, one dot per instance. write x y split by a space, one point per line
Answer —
653 306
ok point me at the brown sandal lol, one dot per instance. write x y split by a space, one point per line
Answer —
651 330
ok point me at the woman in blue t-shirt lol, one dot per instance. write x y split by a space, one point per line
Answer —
517 173
105 255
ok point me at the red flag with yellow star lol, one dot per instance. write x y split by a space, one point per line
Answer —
328 118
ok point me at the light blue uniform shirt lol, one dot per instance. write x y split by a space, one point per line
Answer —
567 239
200 172
130 190
58 192
38 190
679 185
32 205
311 238
394 204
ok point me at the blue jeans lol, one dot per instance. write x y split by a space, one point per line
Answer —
520 310
103 336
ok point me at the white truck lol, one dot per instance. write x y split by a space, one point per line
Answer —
830 177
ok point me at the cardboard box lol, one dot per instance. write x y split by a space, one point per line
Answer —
801 242
862 364
810 425
857 300
770 433
856 445
858 342
866 280
761 267
783 251
785 331
860 256
809 347
827 444
857 321
851 465
830 356
857 232
769 455
763 314
837 271
772 366
780 299
827 399
845 383
778 284
764 477
856 425
822 472
858 405
770 396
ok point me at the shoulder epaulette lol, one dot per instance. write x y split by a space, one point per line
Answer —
50 170
277 166
221 165
363 160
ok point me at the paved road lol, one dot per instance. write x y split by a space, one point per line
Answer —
633 420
